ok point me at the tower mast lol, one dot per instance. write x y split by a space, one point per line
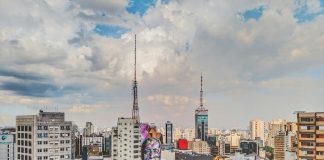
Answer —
201 93
135 114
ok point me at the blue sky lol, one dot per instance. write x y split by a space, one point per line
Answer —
259 60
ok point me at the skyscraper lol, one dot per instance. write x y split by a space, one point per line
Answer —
201 118
168 132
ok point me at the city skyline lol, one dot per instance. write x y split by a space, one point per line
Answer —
259 60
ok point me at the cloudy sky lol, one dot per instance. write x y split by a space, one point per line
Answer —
259 59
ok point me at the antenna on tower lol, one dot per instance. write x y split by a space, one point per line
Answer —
201 92
135 114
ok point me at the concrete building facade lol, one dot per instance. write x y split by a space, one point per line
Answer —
44 136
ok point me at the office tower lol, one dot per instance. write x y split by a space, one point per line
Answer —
7 144
249 147
310 135
257 128
89 129
43 136
199 147
279 146
168 133
201 118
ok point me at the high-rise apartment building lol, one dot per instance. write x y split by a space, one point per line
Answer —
201 118
7 144
257 128
168 132
44 136
310 135
88 130
128 142
279 146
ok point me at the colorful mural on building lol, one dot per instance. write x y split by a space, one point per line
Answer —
151 142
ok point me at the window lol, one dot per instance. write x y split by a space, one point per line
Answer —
29 128
67 128
67 141
45 157
307 127
39 142
306 119
321 128
39 128
45 128
62 127
39 150
45 142
45 150
39 158
307 135
320 136
18 128
39 135
45 135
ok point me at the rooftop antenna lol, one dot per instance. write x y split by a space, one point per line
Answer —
201 93
135 114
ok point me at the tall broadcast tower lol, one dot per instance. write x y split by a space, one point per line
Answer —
135 114
201 117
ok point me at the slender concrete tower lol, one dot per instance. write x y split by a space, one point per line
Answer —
135 114
201 117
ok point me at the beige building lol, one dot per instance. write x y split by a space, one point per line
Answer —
274 127
310 135
257 128
279 146
198 146
44 136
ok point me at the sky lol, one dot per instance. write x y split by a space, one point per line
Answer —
259 59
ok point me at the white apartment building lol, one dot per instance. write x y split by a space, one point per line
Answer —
127 143
46 136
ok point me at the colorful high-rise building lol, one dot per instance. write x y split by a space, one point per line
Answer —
201 118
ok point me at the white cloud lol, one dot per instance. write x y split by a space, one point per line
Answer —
175 44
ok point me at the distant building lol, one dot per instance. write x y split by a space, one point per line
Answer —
199 147
201 119
168 133
257 128
279 146
249 147
310 135
274 128
182 144
88 130
7 144
44 136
